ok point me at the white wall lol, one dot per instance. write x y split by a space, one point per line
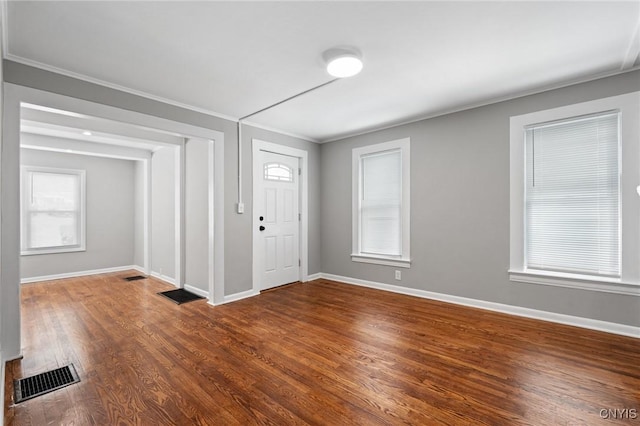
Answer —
109 214
197 214
163 230
139 193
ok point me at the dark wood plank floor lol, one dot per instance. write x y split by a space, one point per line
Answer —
318 353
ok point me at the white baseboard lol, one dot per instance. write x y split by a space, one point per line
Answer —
163 278
238 296
196 290
78 274
314 277
139 269
609 327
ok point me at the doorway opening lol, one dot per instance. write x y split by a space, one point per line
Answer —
28 109
122 166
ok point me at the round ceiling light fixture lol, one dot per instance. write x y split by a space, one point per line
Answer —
343 62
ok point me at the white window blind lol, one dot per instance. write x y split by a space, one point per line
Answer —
53 216
380 205
572 196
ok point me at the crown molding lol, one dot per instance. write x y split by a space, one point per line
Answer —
4 31
82 77
626 66
271 129
492 101
633 51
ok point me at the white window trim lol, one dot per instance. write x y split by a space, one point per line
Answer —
629 283
398 262
81 246
403 261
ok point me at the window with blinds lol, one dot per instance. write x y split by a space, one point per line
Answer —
52 210
572 196
380 204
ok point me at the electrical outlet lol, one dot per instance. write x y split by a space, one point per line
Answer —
398 275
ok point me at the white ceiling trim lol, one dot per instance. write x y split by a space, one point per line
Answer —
88 79
633 52
99 124
75 124
271 129
114 86
36 128
465 107
488 102
84 152
67 146
5 28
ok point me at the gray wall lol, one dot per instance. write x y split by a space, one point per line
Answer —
238 257
460 207
163 206
109 215
460 196
197 213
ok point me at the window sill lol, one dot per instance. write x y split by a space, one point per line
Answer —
583 282
381 260
52 251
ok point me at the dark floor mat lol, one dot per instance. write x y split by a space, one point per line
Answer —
180 296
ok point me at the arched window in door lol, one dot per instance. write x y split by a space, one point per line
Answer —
278 172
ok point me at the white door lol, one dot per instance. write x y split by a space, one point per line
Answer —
277 219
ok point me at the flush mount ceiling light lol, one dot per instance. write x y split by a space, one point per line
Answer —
343 61
87 133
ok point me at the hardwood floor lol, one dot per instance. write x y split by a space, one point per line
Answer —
318 353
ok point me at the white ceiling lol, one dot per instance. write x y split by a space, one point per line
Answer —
38 120
234 58
55 130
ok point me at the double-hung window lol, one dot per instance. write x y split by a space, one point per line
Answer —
381 203
574 204
53 210
572 195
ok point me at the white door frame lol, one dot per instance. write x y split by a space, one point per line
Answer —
180 159
14 96
302 155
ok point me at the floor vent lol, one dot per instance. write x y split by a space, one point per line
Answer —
42 383
135 278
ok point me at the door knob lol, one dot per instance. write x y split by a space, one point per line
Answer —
262 228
